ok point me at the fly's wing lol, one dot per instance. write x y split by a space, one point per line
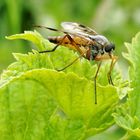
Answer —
77 29
84 32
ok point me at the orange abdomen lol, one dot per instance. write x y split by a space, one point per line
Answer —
80 42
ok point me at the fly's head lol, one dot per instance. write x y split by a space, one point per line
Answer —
109 48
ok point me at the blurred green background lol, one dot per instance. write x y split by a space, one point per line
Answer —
118 20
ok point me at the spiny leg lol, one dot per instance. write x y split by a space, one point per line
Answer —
95 78
77 48
69 64
109 73
73 43
49 50
113 61
61 42
55 46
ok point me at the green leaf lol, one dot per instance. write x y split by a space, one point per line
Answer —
128 116
47 104
37 97
34 37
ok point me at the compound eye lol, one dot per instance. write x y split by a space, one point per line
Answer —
110 47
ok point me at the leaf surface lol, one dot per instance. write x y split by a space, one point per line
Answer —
38 102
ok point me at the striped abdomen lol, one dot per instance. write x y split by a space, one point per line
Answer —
80 42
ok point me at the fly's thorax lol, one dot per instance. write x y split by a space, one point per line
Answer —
94 51
100 39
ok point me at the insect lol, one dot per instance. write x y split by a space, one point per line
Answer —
88 43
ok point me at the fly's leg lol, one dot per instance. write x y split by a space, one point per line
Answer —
61 42
55 46
81 55
95 78
110 81
49 50
77 48
113 61
101 58
73 43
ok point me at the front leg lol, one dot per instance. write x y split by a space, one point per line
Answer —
95 79
113 61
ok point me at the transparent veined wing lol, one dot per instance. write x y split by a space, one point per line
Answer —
73 27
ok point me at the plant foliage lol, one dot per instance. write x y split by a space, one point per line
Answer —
128 116
39 102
